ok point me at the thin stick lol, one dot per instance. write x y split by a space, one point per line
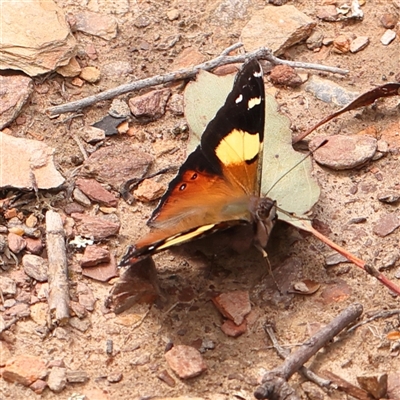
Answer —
380 314
58 270
261 54
284 353
275 383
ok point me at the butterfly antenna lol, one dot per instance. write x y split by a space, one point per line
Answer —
323 143
265 257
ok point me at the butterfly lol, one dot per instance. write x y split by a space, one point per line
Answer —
218 186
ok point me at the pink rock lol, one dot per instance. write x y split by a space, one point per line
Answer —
96 227
38 386
149 190
102 272
34 246
94 255
231 329
386 224
150 105
24 370
233 305
185 361
96 192
16 243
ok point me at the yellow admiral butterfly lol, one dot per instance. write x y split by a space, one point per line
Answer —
218 186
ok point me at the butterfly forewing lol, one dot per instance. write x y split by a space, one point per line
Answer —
212 188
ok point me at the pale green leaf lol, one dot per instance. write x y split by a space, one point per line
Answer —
296 192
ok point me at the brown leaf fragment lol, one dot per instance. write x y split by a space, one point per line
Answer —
376 385
346 387
305 286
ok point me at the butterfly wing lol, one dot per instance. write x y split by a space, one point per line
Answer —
212 188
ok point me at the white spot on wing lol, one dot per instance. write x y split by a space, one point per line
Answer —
255 101
257 74
239 99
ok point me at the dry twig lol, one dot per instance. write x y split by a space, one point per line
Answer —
275 383
261 54
58 271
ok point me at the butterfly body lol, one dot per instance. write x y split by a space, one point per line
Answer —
218 186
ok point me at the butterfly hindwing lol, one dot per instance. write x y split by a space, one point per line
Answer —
212 187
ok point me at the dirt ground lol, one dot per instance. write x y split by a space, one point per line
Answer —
234 365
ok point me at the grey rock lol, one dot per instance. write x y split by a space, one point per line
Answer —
93 135
388 37
81 325
57 379
104 26
359 43
334 259
14 93
35 267
81 198
329 92
343 152
77 376
386 224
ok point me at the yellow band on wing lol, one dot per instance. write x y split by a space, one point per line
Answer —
180 238
238 147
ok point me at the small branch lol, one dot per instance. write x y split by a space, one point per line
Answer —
275 383
284 353
380 314
58 270
261 54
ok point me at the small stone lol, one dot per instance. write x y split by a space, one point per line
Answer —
388 37
175 104
8 286
167 378
335 259
98 228
188 58
93 135
34 162
119 109
5 353
314 41
149 190
94 255
90 74
389 197
70 70
172 15
341 44
85 296
285 75
77 82
233 305
141 21
24 370
39 312
16 243
38 386
96 192
117 69
116 164
81 325
185 361
359 43
280 27
376 385
57 379
9 303
56 363
20 310
95 24
35 267
77 376
343 152
73 208
389 21
102 272
386 225
81 198
327 13
150 106
31 221
115 377
233 330
78 310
